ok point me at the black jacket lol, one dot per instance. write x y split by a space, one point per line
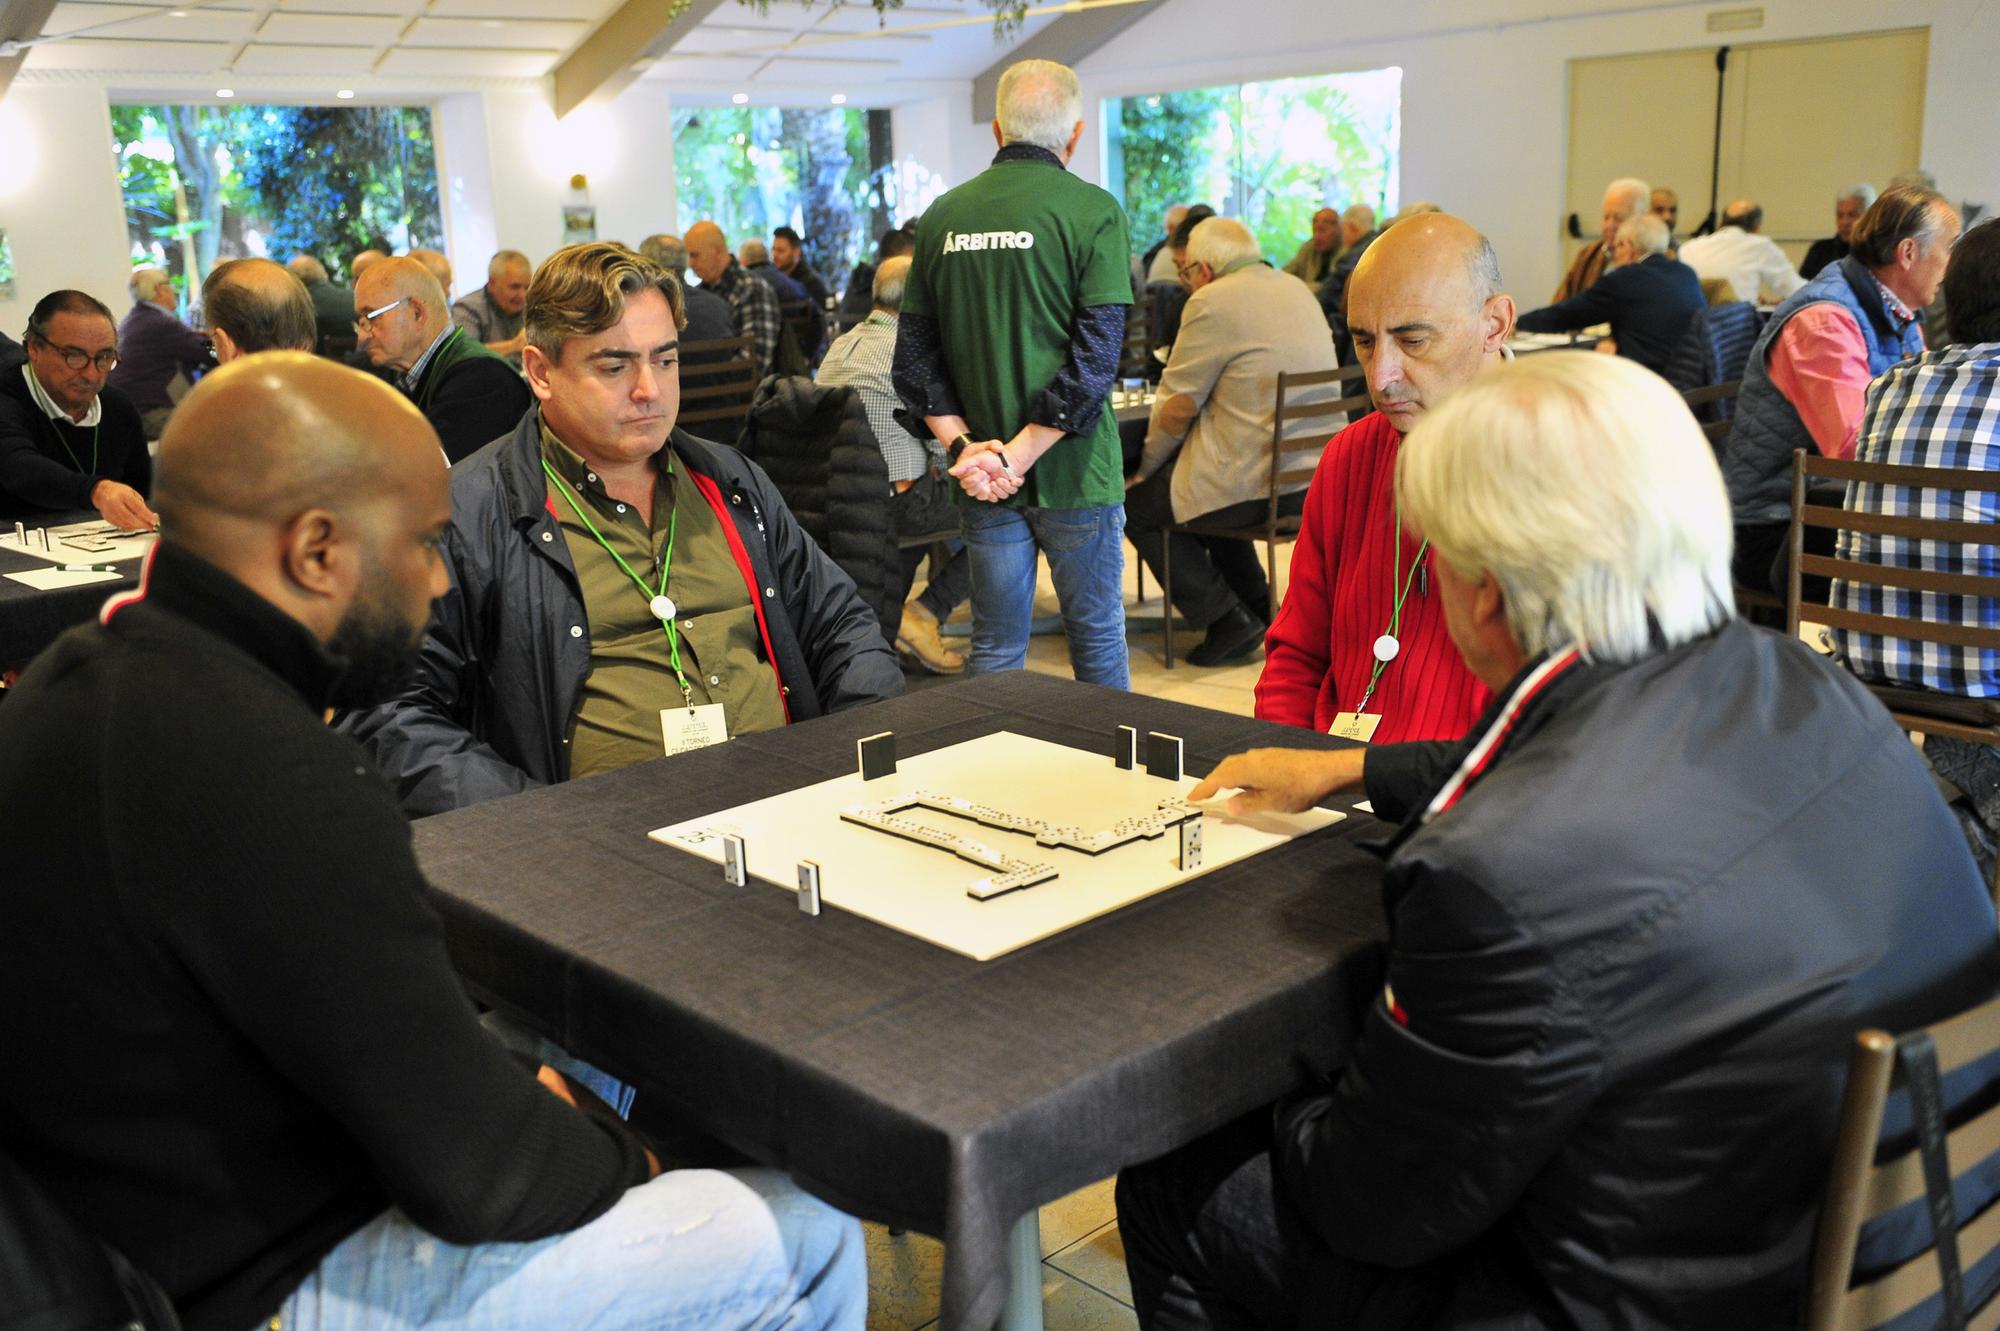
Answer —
469 395
508 650
1626 969
816 445
1648 305
232 1034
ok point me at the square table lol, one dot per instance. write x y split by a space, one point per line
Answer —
897 1080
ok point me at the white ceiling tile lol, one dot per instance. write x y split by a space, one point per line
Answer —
586 11
272 58
405 8
331 29
151 57
467 64
147 23
514 34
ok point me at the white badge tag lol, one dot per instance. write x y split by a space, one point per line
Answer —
692 728
1355 725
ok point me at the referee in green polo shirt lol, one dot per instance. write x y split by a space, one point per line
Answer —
1013 322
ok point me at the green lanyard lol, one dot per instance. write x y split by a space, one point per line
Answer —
666 570
75 461
1399 590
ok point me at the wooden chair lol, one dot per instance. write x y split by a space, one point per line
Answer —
1865 1182
1299 431
1973 719
1718 430
718 379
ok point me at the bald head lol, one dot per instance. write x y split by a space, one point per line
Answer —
362 262
408 308
439 266
321 489
307 269
254 305
1426 313
708 251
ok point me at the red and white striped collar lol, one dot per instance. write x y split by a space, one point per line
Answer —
118 602
1482 754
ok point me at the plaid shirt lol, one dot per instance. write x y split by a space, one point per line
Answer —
1940 409
860 358
757 313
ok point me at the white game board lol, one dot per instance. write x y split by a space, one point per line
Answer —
1086 807
80 543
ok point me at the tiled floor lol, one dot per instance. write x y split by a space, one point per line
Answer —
1083 1260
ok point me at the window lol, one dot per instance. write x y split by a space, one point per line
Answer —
829 174
208 183
1268 154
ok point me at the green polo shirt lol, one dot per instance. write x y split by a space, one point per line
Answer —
631 675
1003 263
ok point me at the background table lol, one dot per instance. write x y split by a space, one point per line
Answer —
899 1081
30 620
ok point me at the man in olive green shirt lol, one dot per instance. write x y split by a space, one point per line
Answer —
1012 326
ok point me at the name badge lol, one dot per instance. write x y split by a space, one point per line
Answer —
1355 725
684 729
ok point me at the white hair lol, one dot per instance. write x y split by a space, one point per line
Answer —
890 280
144 280
1361 215
1224 244
1633 188
1861 190
1645 232
1584 486
1039 102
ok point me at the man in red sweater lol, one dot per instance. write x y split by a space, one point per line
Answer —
1360 647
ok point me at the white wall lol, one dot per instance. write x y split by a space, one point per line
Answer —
59 199
1484 102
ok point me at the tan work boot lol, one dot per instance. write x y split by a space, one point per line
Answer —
918 640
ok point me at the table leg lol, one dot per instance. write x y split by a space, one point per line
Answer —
1023 1309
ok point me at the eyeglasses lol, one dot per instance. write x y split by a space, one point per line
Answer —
76 357
366 322
1186 268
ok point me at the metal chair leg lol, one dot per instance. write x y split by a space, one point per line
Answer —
1166 596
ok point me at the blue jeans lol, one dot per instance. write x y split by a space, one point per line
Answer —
694 1248
1086 553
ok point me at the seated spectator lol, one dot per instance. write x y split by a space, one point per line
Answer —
294 1117
1428 316
788 256
1941 409
1666 205
1754 264
492 314
1847 210
68 440
1158 265
1208 444
1623 199
155 348
11 352
470 396
362 262
439 266
1934 318
1635 921
548 657
1804 384
862 359
859 298
794 303
1357 232
1319 251
709 318
756 260
333 306
754 304
253 305
1647 298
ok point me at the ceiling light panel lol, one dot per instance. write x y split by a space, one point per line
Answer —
511 34
152 57
274 58
330 29
419 62
136 23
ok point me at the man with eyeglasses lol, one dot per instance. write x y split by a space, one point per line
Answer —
403 324
69 442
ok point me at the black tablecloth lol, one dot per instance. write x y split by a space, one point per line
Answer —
897 1080
30 620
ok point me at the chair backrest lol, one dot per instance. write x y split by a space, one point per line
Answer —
1299 430
1714 406
1870 1178
1808 468
718 379
1732 331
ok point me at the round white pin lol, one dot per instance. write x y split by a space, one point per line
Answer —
1386 648
663 607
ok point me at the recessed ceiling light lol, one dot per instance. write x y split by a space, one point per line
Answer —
345 94
225 92
740 98
840 99
489 23
177 13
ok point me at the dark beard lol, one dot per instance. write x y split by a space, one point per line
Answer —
377 654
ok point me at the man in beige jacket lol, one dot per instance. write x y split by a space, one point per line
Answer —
1208 446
